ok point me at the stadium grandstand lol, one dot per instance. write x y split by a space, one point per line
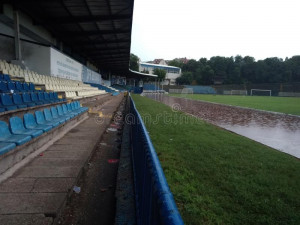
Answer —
64 79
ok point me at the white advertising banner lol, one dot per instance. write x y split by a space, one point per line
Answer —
90 76
64 67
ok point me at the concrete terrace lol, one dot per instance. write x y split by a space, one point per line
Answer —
37 192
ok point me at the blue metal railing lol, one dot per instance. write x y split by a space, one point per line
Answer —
154 201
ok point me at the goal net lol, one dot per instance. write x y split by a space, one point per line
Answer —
261 92
238 92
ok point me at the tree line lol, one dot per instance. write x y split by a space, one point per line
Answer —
238 70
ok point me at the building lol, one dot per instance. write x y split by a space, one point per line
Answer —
172 71
158 61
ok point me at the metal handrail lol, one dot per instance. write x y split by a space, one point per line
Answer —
154 201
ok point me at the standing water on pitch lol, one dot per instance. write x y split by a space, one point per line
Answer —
277 130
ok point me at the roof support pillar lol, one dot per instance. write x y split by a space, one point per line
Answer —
17 36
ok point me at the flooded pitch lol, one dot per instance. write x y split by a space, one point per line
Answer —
279 131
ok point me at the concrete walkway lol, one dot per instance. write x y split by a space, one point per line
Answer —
37 192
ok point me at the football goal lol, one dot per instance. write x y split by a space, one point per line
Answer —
261 92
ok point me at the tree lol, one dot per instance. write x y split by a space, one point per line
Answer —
161 74
134 62
238 70
206 75
190 66
175 62
185 78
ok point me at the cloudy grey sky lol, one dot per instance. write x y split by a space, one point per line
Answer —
204 28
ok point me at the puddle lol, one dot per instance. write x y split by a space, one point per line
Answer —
279 131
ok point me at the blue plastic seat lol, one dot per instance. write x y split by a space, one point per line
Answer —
17 127
19 86
42 98
57 98
69 107
2 108
55 115
35 99
6 77
18 101
49 117
66 112
75 108
77 105
27 100
47 98
7 136
3 87
7 102
52 98
61 112
31 87
30 123
12 86
26 87
6 147
40 119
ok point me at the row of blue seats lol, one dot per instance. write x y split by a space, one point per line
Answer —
21 131
4 77
16 86
17 101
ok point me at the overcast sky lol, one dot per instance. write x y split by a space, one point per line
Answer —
204 28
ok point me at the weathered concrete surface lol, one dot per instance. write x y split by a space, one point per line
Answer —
36 193
96 203
26 219
24 203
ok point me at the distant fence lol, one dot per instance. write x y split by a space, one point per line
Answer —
196 89
199 89
289 94
276 88
154 201
235 92
181 91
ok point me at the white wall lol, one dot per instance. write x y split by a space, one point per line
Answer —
36 57
64 66
172 76
90 76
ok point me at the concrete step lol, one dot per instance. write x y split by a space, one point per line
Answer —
37 192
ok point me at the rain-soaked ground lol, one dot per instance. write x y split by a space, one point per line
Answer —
279 131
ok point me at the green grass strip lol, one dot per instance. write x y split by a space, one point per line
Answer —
218 177
290 105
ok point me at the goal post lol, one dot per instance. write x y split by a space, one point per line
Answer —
261 91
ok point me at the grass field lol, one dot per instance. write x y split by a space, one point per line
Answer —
218 177
290 105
